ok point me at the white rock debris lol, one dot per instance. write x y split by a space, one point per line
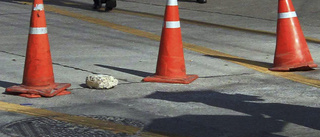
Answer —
101 81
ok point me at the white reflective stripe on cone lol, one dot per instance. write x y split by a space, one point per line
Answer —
172 3
42 30
287 15
172 24
38 7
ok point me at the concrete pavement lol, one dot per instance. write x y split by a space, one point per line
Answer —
235 96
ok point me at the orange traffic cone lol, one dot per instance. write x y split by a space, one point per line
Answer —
38 79
171 65
292 52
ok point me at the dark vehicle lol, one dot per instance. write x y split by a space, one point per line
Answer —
202 1
110 4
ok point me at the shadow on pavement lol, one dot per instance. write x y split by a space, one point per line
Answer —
125 70
5 84
259 119
246 61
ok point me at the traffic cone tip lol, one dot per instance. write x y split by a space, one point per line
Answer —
172 3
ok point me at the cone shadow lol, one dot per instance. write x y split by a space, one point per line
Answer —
245 61
5 84
125 70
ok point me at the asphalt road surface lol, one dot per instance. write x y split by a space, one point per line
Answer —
229 44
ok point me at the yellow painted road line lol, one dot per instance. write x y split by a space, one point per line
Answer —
261 67
258 66
150 15
70 3
80 120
